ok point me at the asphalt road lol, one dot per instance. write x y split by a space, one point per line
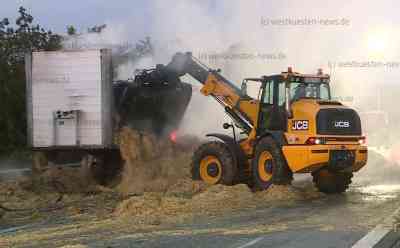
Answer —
328 221
11 169
332 221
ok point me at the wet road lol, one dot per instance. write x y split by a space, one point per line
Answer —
327 221
331 221
12 169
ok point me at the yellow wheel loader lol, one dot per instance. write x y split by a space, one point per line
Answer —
292 126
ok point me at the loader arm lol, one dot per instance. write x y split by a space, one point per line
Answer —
240 107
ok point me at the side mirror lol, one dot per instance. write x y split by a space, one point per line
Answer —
226 125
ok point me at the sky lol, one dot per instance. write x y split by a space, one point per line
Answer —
209 26
56 15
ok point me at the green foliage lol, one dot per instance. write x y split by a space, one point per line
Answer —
15 41
97 29
71 30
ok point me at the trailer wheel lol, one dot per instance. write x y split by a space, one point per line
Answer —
269 166
105 166
332 182
213 163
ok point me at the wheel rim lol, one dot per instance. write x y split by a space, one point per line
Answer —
325 174
210 169
265 166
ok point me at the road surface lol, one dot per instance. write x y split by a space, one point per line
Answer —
328 221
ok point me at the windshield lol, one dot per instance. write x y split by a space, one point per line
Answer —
309 90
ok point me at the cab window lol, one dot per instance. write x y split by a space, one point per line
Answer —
253 90
324 92
281 90
309 90
268 96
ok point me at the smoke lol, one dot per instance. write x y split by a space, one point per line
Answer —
127 69
235 27
334 36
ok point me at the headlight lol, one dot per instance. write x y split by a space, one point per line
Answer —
315 141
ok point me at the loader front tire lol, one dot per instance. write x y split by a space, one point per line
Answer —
332 182
269 166
213 163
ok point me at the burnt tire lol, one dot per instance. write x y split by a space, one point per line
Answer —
332 182
269 166
213 163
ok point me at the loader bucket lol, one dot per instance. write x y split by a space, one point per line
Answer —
151 107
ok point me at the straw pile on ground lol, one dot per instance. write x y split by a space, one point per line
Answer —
155 184
156 176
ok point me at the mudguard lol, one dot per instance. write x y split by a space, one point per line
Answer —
278 136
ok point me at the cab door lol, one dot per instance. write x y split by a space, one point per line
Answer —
272 111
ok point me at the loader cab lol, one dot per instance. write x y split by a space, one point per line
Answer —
270 93
277 93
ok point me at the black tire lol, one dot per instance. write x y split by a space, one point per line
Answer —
108 167
281 174
332 182
220 151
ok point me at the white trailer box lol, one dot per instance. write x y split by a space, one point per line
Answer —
69 99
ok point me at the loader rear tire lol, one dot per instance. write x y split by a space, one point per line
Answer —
269 166
213 163
332 182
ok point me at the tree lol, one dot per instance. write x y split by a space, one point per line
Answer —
15 42
71 30
97 29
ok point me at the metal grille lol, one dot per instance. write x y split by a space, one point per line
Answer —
338 121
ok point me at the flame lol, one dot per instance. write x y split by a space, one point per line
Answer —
173 136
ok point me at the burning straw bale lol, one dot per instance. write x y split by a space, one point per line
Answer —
151 164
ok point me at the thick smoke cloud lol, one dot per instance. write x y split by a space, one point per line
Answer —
335 36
